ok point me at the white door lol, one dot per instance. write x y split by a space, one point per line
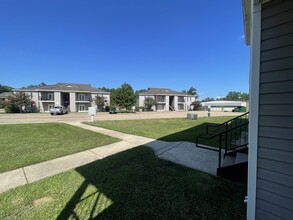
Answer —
81 108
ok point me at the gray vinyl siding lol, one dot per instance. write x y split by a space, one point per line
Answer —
274 197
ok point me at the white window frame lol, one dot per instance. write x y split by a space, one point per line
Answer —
79 108
81 97
50 96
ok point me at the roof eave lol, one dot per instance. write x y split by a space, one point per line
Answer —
246 8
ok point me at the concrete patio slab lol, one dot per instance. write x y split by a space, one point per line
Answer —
188 155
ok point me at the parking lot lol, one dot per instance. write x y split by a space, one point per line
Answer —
83 116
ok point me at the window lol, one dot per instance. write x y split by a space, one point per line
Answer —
180 107
160 107
81 97
81 108
50 96
160 98
180 99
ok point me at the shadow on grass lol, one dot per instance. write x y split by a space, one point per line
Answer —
135 184
190 135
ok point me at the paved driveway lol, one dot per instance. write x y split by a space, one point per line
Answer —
79 117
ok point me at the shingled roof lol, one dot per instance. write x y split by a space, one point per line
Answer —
162 91
69 87
5 95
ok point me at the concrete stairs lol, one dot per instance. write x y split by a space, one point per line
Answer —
234 166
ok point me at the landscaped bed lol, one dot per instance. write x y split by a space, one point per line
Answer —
26 144
130 185
175 129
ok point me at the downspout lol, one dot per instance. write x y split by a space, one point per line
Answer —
255 37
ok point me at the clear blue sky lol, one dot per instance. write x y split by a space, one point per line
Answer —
147 43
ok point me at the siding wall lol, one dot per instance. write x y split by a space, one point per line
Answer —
274 197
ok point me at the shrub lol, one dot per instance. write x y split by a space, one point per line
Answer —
2 104
126 111
11 109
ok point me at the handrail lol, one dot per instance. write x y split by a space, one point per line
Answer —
228 135
223 132
225 123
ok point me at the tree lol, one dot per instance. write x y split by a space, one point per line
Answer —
100 102
149 102
191 91
17 102
208 99
124 96
4 88
105 89
35 86
140 91
196 105
237 96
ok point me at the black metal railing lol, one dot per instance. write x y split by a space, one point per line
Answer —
232 136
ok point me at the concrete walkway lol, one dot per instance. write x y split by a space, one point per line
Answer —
184 153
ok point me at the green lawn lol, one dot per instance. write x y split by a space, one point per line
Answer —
133 184
175 129
26 144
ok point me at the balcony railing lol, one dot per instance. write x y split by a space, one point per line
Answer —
181 99
160 99
45 98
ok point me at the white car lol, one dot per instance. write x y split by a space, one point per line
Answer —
58 110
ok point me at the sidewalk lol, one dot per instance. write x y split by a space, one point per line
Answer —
184 153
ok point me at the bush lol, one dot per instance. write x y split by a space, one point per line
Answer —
2 104
126 111
11 109
107 108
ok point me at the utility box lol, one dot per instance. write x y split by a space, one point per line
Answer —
92 111
191 116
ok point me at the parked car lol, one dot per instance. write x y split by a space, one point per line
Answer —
113 111
58 110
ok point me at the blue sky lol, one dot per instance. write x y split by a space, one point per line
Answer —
147 43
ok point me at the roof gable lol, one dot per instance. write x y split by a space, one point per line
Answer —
162 91
70 87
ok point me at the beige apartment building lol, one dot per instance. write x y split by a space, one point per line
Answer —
75 97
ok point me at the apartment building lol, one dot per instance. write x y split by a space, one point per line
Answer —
75 97
166 99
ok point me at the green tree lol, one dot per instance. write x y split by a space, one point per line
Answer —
35 86
149 102
100 102
140 91
245 96
237 96
196 105
4 88
124 96
192 91
208 99
17 102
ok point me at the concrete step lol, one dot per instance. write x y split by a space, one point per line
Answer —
241 157
228 160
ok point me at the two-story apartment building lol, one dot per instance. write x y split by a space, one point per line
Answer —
75 97
166 99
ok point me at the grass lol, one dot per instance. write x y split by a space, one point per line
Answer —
26 144
133 184
178 129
